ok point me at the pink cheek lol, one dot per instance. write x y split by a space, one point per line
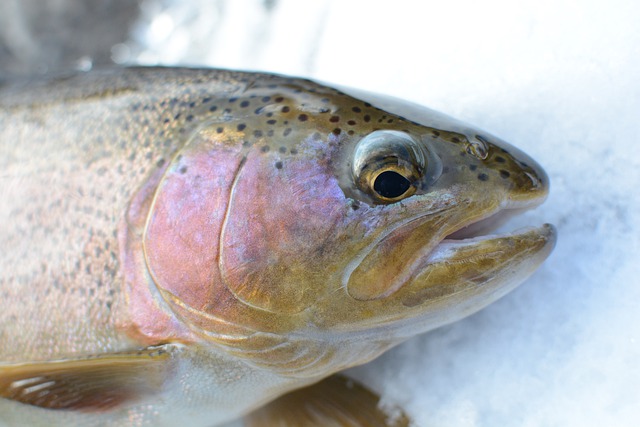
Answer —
279 219
183 233
221 226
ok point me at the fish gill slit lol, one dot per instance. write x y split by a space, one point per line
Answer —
227 213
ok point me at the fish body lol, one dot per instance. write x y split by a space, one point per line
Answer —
186 245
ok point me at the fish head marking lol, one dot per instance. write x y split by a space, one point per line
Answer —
314 212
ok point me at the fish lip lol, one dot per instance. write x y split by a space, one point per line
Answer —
485 226
547 233
477 231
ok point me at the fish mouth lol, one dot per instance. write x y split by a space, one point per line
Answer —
478 229
472 252
476 232
480 258
451 278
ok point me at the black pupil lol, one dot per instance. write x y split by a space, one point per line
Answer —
391 184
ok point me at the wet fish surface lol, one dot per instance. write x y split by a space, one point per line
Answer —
187 245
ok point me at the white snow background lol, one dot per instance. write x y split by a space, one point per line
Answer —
559 79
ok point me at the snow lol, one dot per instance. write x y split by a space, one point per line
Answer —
559 79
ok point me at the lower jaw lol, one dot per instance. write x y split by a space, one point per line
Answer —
468 249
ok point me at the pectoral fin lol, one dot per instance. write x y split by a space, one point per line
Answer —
94 383
334 402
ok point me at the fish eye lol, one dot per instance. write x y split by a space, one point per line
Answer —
387 165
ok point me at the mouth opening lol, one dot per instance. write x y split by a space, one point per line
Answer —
491 225
485 227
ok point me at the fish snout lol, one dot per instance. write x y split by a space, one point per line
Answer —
526 180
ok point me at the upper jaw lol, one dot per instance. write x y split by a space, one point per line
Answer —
486 225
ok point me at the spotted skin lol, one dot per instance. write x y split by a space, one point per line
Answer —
218 210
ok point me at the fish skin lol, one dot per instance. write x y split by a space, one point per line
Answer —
97 231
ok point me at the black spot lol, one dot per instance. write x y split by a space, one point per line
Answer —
258 110
176 117
206 100
282 149
269 114
272 122
213 108
266 98
244 104
334 119
190 117
160 163
355 205
265 148
455 139
279 99
367 118
219 130
500 159
183 170
505 174
337 131
303 117
285 109
435 133
241 126
483 177
351 122
286 132
166 120
351 132
294 151
234 99
270 132
278 165
473 167
366 104
192 104
356 109
257 133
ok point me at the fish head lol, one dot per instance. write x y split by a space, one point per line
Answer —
298 214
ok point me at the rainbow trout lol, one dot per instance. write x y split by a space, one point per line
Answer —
184 246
